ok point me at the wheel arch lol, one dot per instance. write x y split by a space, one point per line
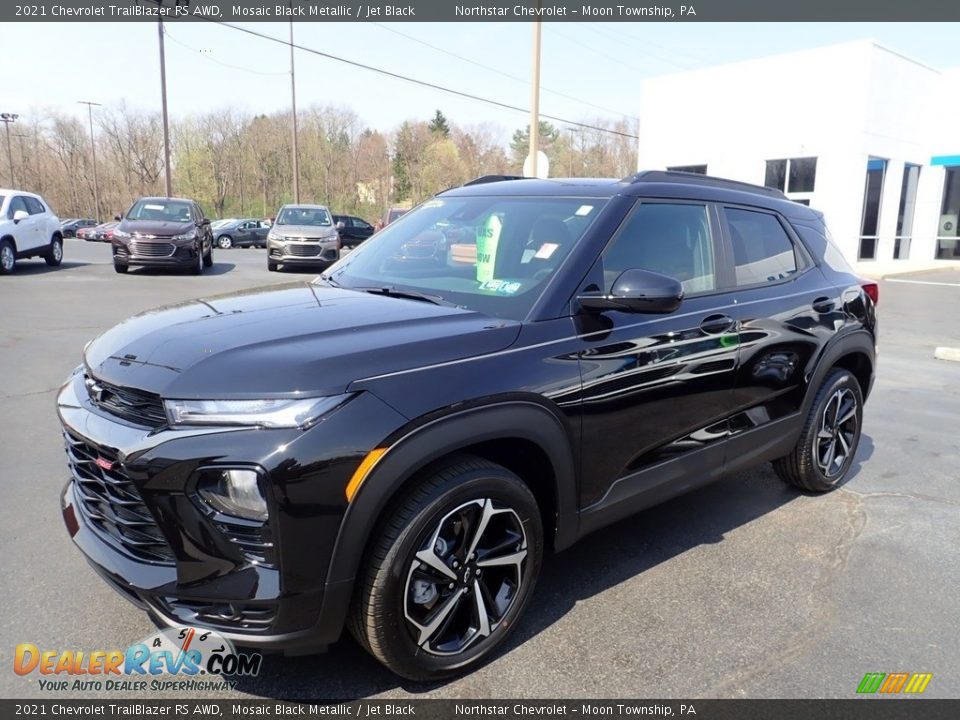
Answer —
523 436
855 352
11 239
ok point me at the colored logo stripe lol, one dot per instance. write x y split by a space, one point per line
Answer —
893 683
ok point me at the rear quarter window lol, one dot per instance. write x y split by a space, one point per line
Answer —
762 250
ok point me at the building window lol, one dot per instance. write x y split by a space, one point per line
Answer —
792 176
876 169
695 169
948 239
908 202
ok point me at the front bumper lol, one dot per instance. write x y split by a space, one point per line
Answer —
207 580
304 252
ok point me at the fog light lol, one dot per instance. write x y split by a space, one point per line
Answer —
235 492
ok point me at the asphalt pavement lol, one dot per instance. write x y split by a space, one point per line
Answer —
746 588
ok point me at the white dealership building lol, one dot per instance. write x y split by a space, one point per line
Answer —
859 131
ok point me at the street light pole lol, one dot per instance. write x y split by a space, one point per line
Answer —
293 102
7 119
535 100
163 100
93 155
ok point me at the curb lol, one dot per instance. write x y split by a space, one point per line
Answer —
947 353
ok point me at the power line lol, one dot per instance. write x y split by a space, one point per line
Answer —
587 103
219 62
422 83
630 40
637 45
594 50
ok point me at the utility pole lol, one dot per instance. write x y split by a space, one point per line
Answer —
93 155
293 103
163 100
535 100
7 119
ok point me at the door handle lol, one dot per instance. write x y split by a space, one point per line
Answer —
716 324
823 305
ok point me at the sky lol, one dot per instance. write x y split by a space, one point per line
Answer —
589 70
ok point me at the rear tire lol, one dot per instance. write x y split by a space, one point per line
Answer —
449 570
54 256
828 442
8 257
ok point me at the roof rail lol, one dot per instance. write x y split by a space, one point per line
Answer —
483 180
685 178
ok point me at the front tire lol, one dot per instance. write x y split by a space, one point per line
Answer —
225 242
450 570
8 257
208 258
271 266
197 267
120 267
828 443
54 256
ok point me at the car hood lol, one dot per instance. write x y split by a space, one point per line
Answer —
304 338
305 231
160 228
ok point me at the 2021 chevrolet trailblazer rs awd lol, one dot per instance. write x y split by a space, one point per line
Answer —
393 446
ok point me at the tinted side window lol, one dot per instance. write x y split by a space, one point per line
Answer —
672 239
16 203
762 250
34 206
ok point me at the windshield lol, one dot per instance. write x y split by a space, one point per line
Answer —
177 211
492 255
315 217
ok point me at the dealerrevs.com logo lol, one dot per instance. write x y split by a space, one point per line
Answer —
172 659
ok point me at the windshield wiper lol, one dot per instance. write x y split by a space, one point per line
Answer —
409 294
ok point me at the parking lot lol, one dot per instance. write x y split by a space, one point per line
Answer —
743 589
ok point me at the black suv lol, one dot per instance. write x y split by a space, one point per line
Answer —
163 232
394 445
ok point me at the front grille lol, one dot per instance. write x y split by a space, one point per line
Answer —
302 250
226 616
111 504
145 248
137 406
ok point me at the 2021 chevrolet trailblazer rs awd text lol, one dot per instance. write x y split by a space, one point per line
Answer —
392 446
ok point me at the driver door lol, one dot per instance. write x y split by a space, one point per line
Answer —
657 388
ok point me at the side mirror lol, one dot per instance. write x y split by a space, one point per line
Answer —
118 218
638 291
340 225
19 215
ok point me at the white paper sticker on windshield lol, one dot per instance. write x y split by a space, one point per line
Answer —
546 250
154 207
584 210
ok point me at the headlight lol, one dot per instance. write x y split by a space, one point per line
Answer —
234 492
272 236
192 235
300 413
121 235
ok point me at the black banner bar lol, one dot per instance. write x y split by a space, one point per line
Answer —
479 10
853 709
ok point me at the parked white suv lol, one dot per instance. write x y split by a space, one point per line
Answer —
28 228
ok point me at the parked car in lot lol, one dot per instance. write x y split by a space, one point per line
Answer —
163 232
28 228
243 232
302 235
69 228
392 447
352 230
391 215
100 233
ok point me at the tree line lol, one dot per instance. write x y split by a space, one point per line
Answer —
237 164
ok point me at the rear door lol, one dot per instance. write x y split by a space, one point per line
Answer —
787 312
657 388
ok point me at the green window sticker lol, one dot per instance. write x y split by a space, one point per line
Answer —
488 236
